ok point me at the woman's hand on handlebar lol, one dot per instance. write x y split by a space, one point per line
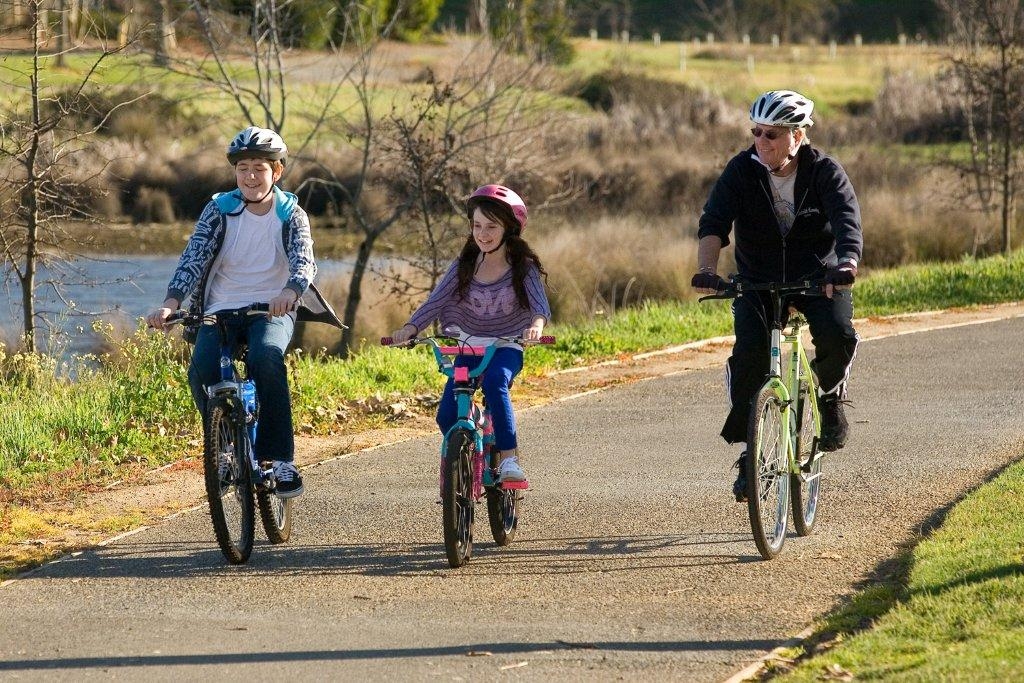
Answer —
708 282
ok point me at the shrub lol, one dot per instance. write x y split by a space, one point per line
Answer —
152 206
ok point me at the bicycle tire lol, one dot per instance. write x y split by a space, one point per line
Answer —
228 480
457 498
805 494
767 475
276 515
503 508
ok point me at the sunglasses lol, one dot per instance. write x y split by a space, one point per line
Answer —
770 134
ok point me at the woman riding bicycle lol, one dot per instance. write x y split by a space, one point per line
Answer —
493 289
796 217
251 245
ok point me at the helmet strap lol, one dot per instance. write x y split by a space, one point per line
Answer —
260 200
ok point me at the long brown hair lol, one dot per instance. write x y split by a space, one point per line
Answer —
517 252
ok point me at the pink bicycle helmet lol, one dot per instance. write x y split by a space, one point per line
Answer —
502 195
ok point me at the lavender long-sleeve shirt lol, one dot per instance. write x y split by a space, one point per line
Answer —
488 309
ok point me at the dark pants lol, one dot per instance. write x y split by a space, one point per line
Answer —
267 340
832 333
495 383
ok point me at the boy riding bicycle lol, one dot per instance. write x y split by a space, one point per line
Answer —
251 245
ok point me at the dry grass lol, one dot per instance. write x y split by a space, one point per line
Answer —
609 263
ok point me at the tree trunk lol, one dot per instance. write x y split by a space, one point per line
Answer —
62 36
166 41
478 16
355 294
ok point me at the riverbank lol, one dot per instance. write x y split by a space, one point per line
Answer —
168 239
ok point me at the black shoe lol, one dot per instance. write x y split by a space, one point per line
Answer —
834 427
289 481
739 487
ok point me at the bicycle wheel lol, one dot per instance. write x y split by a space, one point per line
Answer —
806 485
457 498
276 515
767 474
503 511
228 484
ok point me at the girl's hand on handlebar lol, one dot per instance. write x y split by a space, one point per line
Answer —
403 335
533 332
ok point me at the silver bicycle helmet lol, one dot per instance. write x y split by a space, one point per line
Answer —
257 143
782 108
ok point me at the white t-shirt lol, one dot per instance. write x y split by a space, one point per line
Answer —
252 266
783 199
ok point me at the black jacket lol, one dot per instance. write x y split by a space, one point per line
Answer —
826 229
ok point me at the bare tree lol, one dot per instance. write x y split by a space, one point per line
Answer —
41 186
989 69
410 162
485 124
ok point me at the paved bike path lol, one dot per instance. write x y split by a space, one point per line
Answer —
632 563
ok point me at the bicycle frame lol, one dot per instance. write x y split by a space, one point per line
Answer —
471 417
238 392
787 387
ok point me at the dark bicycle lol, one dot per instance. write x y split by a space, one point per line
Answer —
232 474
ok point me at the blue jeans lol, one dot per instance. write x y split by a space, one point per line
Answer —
267 341
495 382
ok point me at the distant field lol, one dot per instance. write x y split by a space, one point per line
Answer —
735 71
852 76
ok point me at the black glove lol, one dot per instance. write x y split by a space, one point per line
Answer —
842 275
708 281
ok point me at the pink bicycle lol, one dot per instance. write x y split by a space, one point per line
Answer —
469 458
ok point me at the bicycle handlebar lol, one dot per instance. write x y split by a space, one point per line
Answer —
736 288
469 348
184 318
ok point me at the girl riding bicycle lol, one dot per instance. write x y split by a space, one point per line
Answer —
493 289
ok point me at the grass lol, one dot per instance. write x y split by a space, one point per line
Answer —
853 76
957 615
132 409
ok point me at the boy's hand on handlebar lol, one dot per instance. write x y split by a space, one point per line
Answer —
157 317
283 303
841 277
708 283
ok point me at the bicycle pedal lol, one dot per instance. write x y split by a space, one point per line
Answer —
515 484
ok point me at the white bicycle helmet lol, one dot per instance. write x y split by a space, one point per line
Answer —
257 143
782 108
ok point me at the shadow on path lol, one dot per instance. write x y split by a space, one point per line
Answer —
191 559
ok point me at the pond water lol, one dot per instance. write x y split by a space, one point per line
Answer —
120 289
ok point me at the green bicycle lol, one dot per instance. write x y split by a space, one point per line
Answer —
783 463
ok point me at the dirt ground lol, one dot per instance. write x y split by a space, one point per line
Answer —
128 507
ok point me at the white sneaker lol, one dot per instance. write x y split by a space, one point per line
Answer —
509 470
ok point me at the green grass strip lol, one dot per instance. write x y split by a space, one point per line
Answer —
958 617
136 406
